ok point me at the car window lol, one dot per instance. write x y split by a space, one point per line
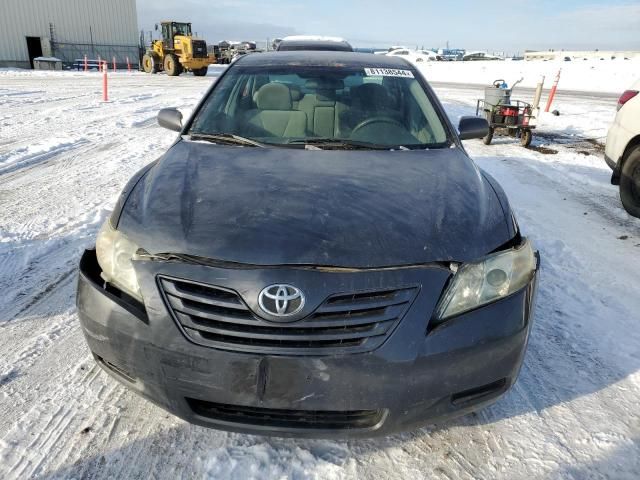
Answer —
293 104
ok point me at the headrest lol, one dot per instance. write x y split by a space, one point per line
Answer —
371 96
274 96
296 93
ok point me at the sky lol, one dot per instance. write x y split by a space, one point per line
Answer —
509 26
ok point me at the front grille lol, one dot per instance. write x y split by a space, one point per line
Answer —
199 49
344 323
288 419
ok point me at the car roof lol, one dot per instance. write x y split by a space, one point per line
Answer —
323 58
317 44
312 38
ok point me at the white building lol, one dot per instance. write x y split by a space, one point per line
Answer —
67 29
581 55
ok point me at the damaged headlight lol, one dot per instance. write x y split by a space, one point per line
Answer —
495 276
115 252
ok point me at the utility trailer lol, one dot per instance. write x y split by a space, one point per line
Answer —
514 118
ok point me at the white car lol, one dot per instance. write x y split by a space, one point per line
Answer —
479 56
414 56
622 152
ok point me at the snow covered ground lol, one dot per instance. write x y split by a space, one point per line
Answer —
613 76
64 156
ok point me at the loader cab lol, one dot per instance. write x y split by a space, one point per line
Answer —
170 30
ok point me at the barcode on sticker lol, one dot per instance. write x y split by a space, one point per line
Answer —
388 72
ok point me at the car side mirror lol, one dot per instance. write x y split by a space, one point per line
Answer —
473 127
170 118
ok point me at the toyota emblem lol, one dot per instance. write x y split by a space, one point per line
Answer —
281 300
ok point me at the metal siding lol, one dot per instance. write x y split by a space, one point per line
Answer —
113 22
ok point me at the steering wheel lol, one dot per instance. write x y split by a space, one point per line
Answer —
374 120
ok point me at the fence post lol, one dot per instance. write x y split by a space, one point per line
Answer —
105 95
114 64
128 65
552 94
538 94
86 64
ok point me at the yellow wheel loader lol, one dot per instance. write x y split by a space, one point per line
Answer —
177 52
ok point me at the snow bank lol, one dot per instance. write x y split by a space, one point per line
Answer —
612 76
607 76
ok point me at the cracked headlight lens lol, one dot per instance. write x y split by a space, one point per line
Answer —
492 278
115 252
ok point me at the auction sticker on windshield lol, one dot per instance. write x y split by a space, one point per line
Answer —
388 72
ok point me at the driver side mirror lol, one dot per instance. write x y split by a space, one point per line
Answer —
472 127
156 27
170 118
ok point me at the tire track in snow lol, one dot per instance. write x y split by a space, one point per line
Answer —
54 423
23 158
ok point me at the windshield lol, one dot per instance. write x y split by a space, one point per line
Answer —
182 29
319 105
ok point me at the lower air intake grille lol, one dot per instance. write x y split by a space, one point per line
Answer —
344 323
289 419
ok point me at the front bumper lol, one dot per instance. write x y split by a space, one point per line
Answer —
618 138
417 376
195 63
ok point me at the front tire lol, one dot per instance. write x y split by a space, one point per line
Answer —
525 138
487 139
172 65
630 183
200 72
149 64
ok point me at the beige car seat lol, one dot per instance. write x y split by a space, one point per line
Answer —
275 114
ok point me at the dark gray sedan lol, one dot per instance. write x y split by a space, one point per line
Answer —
316 255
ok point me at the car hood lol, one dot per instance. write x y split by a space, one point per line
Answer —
342 208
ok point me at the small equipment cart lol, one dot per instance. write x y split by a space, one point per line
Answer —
506 116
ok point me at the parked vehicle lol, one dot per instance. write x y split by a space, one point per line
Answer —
177 51
229 51
316 255
479 56
314 42
505 115
451 54
414 56
622 151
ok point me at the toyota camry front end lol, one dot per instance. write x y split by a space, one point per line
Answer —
316 255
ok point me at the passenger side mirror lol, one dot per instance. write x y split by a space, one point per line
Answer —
170 118
156 27
472 127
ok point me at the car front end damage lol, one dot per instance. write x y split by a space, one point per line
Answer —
363 281
369 354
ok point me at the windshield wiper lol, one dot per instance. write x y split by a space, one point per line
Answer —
227 138
347 143
340 143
